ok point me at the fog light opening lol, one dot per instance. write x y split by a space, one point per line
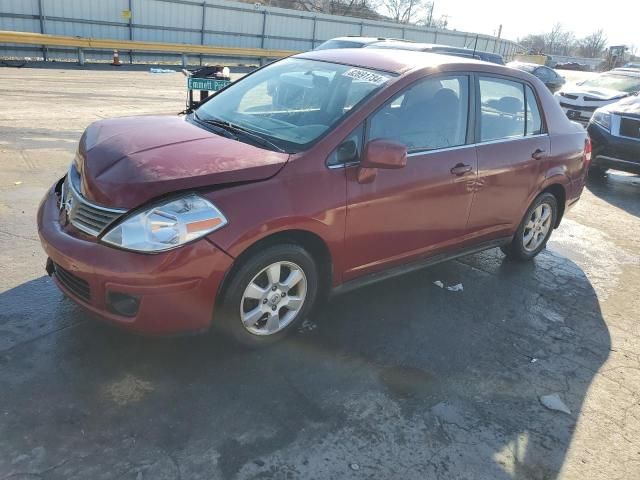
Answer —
122 304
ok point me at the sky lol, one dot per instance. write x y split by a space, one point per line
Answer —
620 19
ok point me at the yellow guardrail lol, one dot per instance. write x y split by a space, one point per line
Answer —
28 38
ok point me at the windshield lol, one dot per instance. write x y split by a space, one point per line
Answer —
293 102
622 83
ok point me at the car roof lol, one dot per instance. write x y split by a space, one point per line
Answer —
356 39
632 70
525 64
401 45
629 72
389 60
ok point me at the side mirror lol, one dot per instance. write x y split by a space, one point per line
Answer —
381 153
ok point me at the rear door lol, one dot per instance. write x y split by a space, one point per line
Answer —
512 145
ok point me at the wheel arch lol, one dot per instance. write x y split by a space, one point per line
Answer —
310 241
557 190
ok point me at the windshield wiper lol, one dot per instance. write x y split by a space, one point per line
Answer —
236 129
226 132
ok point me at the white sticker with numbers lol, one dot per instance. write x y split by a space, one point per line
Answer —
366 76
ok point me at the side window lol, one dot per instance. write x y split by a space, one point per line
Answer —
349 150
534 119
501 109
430 114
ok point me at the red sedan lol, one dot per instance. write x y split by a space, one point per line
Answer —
313 175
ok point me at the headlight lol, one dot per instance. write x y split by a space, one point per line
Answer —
166 226
603 119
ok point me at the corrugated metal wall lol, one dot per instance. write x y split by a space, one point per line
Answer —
209 22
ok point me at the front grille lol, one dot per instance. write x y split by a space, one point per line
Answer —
630 127
82 214
71 282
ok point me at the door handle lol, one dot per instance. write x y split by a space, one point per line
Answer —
460 169
538 154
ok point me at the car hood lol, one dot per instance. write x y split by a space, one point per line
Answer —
626 106
604 94
125 162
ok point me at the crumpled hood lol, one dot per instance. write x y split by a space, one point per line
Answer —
605 94
626 106
125 162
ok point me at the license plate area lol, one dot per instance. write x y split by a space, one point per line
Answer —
574 114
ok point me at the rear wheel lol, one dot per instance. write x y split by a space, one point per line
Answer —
535 229
268 295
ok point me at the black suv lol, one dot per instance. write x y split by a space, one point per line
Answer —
615 136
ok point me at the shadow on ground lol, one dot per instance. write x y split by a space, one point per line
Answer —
620 189
398 380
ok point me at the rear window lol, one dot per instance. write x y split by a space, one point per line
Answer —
509 109
534 119
502 109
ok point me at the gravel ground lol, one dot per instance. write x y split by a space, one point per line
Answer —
398 380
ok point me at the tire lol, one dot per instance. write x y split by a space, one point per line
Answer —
523 247
253 297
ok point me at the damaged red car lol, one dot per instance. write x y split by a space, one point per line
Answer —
313 175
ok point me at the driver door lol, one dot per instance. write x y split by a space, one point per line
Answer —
405 214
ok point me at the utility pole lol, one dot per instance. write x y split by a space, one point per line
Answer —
495 43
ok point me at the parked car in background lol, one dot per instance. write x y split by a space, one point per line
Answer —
632 65
276 190
580 100
579 67
441 49
351 42
459 51
400 44
549 76
615 136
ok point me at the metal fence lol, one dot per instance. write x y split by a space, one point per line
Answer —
208 22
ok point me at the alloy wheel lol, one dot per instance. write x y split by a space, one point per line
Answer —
273 298
537 227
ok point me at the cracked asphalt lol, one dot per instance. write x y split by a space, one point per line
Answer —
398 380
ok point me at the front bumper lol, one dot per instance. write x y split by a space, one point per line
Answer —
175 290
610 151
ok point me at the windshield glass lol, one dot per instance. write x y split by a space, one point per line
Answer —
622 83
293 102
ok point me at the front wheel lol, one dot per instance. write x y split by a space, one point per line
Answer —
268 295
535 229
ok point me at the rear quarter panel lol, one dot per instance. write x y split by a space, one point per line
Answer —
565 164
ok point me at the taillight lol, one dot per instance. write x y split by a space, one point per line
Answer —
587 150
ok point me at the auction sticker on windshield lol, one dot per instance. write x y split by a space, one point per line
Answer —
366 76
